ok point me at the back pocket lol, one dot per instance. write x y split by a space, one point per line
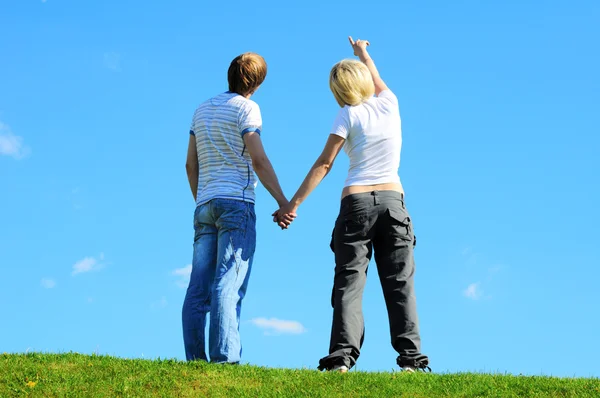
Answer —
354 223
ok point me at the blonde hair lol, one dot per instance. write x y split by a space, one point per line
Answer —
246 72
351 82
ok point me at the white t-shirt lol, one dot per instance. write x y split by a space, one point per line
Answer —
225 166
373 139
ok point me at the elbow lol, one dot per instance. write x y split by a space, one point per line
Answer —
191 168
259 164
325 165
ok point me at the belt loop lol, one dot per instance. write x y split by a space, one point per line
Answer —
375 198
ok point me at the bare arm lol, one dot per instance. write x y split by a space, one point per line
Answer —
318 171
263 167
360 50
191 165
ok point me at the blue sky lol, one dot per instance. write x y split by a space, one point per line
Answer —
499 102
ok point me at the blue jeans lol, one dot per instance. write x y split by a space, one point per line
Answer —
224 243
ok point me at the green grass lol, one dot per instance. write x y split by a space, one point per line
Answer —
75 375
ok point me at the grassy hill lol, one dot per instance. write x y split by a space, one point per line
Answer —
75 375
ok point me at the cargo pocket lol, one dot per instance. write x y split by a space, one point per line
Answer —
331 244
333 296
401 224
332 247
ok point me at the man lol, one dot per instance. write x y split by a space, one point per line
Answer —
224 152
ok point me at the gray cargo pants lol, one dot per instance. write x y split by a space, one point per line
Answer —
373 221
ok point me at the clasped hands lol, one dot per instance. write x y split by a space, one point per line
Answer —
285 215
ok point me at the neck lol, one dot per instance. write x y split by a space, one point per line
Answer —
243 95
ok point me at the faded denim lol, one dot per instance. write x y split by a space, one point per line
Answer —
224 244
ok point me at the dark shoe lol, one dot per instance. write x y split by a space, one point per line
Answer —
414 365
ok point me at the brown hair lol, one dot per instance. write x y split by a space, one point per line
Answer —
246 72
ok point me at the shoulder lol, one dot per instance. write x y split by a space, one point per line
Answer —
345 110
387 97
204 104
344 115
245 104
342 123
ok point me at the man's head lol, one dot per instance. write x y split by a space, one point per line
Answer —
350 82
246 73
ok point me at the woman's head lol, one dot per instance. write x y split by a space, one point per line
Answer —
351 82
246 72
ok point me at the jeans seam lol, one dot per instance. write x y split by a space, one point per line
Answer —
246 210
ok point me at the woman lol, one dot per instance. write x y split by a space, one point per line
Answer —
373 216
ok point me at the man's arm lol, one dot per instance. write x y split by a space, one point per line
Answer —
263 168
360 50
191 165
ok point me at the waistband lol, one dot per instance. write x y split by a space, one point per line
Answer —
368 195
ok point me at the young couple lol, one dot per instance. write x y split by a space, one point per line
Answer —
224 155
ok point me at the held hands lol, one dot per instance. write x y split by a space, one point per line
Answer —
360 48
284 216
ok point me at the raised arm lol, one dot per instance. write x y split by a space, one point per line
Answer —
360 50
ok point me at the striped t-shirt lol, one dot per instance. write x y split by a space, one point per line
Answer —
225 167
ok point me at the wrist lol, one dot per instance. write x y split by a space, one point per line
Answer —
364 55
282 202
294 204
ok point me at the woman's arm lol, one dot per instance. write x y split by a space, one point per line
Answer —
318 171
360 50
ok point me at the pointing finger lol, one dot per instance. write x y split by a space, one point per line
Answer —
351 41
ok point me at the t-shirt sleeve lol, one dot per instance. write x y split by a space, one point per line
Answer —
388 99
341 125
192 132
250 119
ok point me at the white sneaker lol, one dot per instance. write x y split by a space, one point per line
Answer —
340 369
413 369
